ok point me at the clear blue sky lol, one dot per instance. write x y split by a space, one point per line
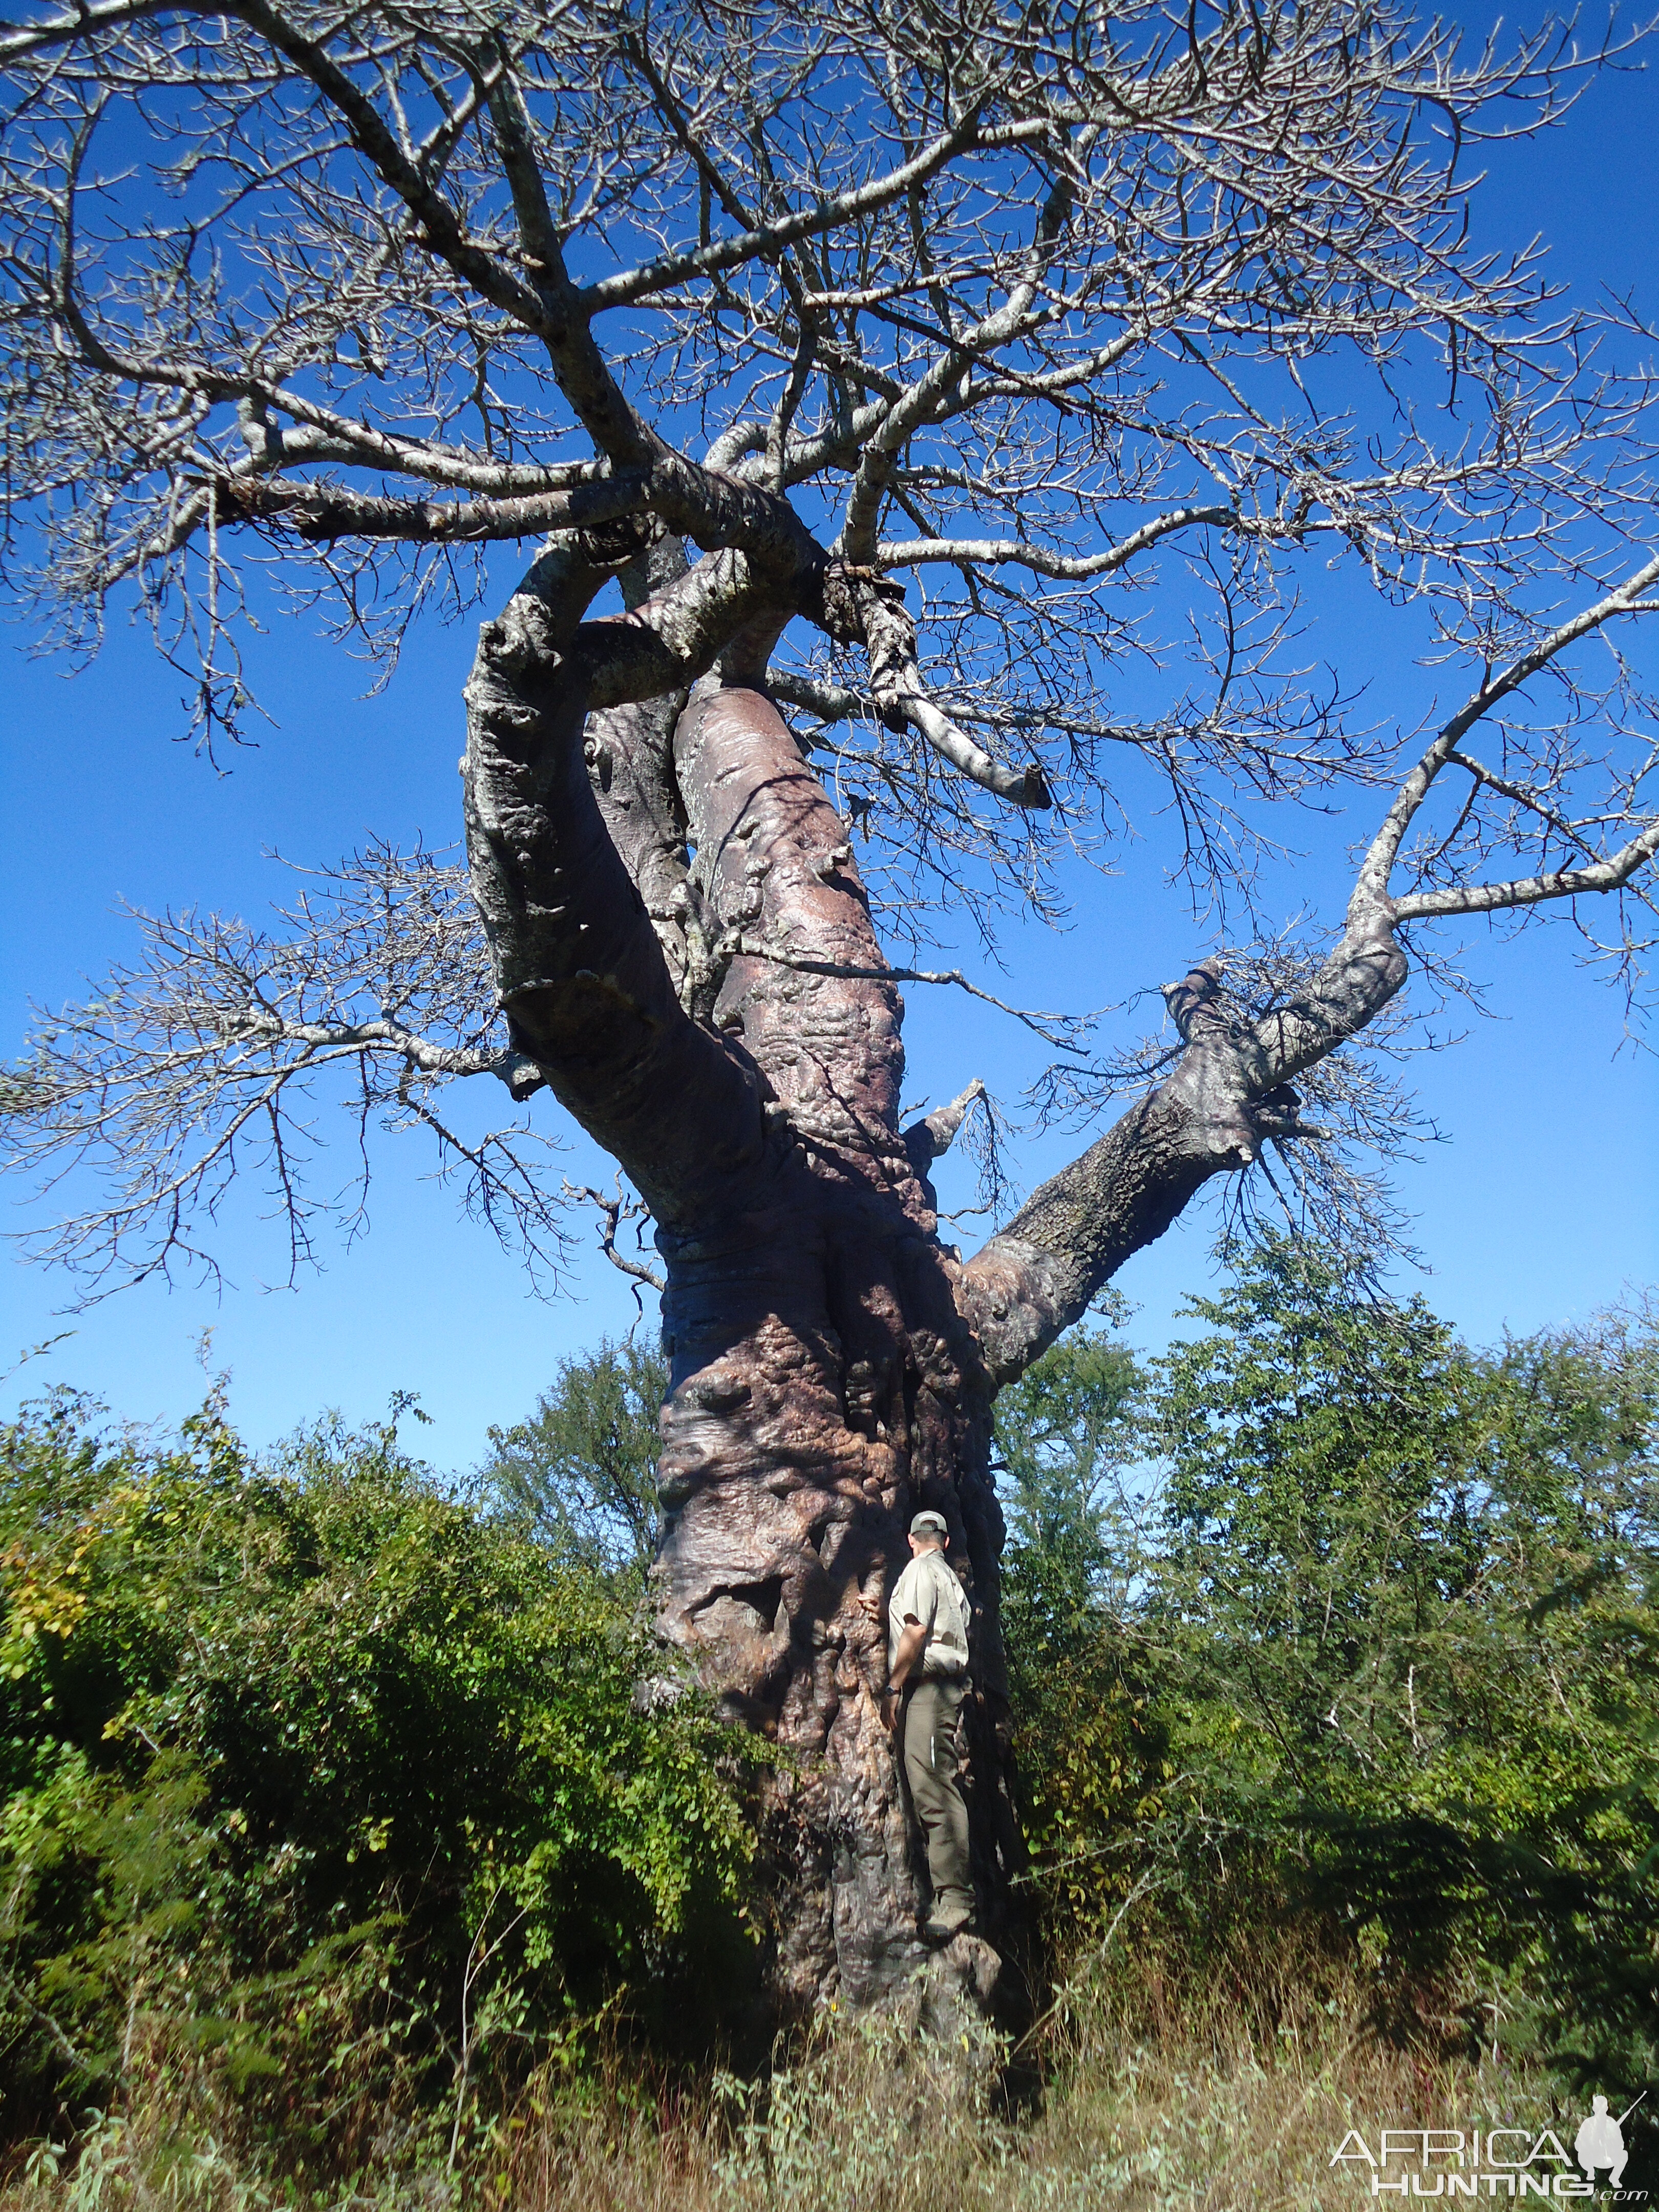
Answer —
1541 1203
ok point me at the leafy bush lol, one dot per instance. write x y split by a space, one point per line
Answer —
335 1835
323 1783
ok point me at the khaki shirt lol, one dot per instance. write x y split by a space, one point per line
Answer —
928 1591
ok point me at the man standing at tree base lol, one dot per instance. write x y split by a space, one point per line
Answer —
927 1618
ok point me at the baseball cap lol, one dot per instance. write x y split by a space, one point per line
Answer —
930 1524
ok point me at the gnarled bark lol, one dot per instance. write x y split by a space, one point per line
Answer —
825 1385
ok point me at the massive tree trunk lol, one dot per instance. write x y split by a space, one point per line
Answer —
825 1387
826 1384
685 952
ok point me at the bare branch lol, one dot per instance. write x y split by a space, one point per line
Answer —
996 553
614 1208
859 604
929 1138
768 240
19 43
1609 875
1371 887
324 511
197 1065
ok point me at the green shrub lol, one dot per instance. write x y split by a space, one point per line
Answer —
324 1782
1406 1600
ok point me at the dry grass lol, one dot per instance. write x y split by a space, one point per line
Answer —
1148 2096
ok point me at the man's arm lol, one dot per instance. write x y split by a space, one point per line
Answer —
913 1642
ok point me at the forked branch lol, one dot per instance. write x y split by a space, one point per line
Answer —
1371 895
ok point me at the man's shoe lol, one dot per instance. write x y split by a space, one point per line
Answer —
941 1927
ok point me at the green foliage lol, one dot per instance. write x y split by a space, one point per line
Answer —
1088 1752
322 1781
583 1468
330 1816
1063 1432
1406 1602
1387 1611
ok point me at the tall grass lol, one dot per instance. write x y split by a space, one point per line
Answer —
1146 2088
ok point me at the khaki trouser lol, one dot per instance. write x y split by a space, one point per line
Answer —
930 1768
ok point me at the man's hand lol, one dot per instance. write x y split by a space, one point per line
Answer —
892 1705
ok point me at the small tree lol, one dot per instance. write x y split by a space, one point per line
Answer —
748 318
583 1468
1071 1444
1066 1433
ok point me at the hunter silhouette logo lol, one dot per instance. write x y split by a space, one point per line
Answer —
1496 2162
1600 2140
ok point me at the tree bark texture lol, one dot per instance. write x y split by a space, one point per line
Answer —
651 878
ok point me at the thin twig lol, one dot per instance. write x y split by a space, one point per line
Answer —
1060 1030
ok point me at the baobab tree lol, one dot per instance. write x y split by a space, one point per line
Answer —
851 368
